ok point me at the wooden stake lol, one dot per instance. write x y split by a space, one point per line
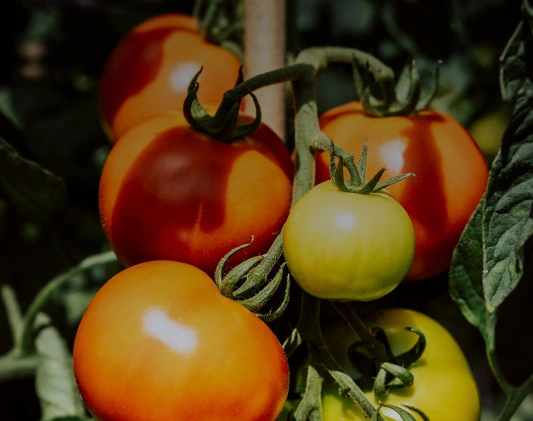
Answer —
264 50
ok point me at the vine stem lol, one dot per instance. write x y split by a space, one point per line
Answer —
16 367
24 342
323 361
14 315
308 136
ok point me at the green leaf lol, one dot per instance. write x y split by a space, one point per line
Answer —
55 384
508 215
466 271
33 189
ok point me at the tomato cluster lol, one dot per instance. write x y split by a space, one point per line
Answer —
174 201
451 173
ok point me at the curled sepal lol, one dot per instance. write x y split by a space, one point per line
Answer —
399 376
223 126
194 113
404 98
409 357
257 302
404 415
426 98
236 274
357 182
219 270
248 129
418 411
338 175
273 315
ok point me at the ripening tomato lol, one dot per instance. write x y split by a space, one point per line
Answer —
348 246
443 387
149 71
159 342
168 192
451 173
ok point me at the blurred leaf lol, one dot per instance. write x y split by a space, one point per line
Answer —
513 69
6 108
32 188
55 384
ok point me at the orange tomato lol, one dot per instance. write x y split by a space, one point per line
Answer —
451 173
168 192
159 342
149 71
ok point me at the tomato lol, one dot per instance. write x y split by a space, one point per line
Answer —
488 129
443 387
149 71
159 342
348 246
168 192
451 173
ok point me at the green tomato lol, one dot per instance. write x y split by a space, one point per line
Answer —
348 246
443 387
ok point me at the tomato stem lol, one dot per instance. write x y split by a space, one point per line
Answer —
376 350
321 359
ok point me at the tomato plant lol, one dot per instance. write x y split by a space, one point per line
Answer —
348 246
443 387
451 173
169 192
149 71
159 342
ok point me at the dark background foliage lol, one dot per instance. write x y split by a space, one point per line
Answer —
52 54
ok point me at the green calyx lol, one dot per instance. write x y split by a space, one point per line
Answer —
223 126
381 376
404 98
357 182
254 293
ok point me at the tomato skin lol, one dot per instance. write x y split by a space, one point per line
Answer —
347 246
168 192
443 388
149 71
451 173
159 342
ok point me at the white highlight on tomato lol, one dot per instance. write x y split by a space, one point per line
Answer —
345 220
392 154
182 75
177 337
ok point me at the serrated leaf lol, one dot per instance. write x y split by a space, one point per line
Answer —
508 216
466 271
55 384
33 189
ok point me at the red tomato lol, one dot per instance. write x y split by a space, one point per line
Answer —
168 192
159 342
451 173
149 71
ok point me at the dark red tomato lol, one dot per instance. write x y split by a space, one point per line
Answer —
451 173
160 343
149 71
168 192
